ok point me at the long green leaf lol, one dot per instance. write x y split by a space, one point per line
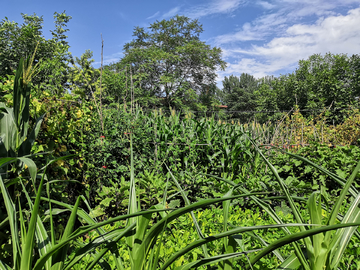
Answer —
4 266
208 239
25 147
272 214
156 229
42 238
60 255
108 239
291 262
333 176
213 260
11 212
343 236
297 236
132 207
26 258
187 202
81 231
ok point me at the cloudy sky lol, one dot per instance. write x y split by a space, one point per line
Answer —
258 37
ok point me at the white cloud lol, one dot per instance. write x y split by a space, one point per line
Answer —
284 13
265 5
259 29
108 59
153 16
214 7
337 34
288 37
246 34
171 13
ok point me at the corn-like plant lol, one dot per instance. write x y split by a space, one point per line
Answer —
15 139
325 249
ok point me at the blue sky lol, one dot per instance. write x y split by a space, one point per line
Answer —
257 37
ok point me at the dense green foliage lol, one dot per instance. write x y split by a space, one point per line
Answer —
168 66
321 81
239 96
18 41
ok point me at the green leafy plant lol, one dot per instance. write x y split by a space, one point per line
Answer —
330 231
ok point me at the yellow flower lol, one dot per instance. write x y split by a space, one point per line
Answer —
78 114
60 162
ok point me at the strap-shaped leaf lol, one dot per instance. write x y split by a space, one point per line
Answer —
297 236
60 255
27 251
4 266
11 212
208 239
291 262
25 147
213 260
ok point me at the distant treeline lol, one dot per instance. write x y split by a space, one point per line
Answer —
167 66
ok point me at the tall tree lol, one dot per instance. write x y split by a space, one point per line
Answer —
322 81
266 100
18 41
319 82
170 62
239 95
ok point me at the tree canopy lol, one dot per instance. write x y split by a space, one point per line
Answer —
168 61
23 40
239 95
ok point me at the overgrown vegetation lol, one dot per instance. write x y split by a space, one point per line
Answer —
88 186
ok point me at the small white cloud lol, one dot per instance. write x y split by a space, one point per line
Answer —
171 13
243 35
266 5
108 59
214 7
153 16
